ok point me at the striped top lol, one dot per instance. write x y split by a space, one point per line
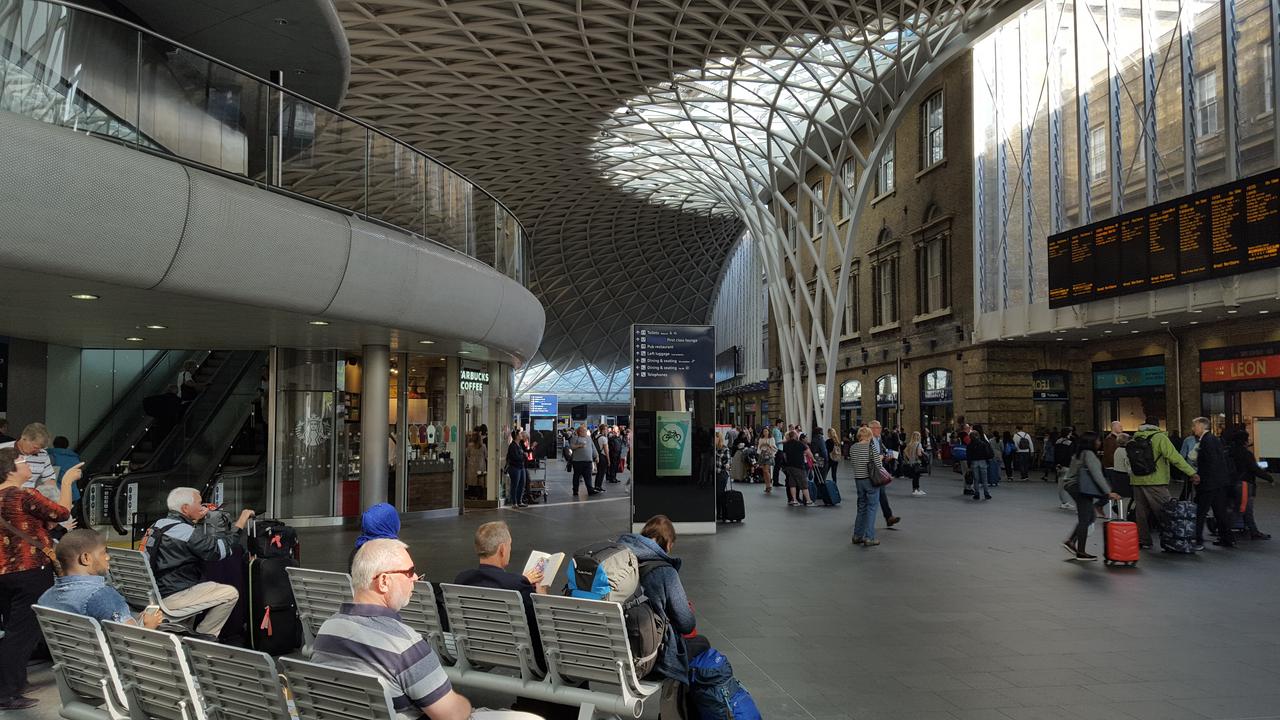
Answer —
372 639
862 460
39 463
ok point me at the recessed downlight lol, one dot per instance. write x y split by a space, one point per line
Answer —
319 323
1195 322
1133 332
134 339
84 296
426 342
464 352
1164 322
1263 312
157 327
1232 311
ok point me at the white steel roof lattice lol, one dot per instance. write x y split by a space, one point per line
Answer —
634 140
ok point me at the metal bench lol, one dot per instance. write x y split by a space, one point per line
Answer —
154 674
423 615
326 693
585 641
82 666
237 684
491 630
130 573
318 594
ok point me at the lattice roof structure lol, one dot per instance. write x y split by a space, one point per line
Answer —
637 141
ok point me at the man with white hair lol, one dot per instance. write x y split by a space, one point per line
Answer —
32 443
368 636
177 547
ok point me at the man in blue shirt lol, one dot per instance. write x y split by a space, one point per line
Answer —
83 588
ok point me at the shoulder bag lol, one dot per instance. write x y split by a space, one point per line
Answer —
47 549
879 476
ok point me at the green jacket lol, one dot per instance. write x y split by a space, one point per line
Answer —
1165 454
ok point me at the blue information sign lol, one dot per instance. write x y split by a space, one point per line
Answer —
543 406
673 356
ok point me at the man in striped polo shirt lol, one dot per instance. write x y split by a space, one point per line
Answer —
368 636
35 438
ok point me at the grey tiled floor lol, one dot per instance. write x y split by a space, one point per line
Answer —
967 611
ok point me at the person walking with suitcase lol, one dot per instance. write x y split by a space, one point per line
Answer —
1213 486
1150 455
1085 482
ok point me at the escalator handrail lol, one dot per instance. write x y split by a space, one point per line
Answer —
117 513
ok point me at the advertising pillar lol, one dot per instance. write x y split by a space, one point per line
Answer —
673 406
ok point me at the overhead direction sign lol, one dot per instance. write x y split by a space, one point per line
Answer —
673 356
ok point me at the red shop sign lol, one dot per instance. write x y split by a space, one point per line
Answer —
1263 366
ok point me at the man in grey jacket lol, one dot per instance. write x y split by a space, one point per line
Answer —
177 546
582 454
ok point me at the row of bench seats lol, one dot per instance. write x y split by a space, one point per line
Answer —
489 646
113 671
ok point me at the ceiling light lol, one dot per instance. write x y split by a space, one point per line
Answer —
1263 312
1124 322
1108 332
426 342
134 339
1195 322
464 352
84 296
1232 311
1058 339
1133 332
1164 322
1197 311
319 322
157 327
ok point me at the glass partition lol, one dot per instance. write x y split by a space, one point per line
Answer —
93 73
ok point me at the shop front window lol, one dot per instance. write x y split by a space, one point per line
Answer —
1050 397
430 463
850 405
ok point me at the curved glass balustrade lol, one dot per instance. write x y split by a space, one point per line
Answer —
92 73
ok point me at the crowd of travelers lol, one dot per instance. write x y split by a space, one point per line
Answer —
600 453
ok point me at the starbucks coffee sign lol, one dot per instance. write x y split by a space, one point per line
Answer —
476 380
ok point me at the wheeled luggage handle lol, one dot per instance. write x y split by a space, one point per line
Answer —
1121 511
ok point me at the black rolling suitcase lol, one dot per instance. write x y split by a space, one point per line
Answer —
732 507
274 627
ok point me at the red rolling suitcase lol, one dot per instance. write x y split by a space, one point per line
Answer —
1120 539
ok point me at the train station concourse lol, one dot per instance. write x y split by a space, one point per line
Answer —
858 360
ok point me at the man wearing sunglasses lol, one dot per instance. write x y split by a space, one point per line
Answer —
368 636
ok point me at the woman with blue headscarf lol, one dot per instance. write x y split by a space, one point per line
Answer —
380 522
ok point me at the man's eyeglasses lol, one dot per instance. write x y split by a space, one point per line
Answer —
411 573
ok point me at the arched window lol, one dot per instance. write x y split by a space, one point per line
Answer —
851 392
887 390
936 379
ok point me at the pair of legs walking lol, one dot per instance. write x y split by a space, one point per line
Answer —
864 526
582 470
519 481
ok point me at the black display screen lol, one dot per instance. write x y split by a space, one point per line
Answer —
1222 231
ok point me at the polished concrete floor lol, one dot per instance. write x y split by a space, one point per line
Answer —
966 611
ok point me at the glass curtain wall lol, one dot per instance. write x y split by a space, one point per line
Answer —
1084 109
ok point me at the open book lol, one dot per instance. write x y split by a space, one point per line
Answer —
547 563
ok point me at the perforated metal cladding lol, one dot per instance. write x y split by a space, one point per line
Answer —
106 212
246 245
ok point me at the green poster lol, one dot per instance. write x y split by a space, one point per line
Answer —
675 456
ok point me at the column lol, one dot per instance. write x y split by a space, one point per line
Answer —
374 429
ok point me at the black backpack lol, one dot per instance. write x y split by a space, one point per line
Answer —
1024 443
646 624
1142 455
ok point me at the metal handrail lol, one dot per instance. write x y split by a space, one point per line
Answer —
527 260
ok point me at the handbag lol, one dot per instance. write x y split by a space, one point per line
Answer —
46 549
879 477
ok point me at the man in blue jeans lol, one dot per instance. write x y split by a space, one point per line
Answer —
83 588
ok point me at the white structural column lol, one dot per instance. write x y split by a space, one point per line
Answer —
755 125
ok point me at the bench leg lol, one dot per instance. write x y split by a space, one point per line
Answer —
587 711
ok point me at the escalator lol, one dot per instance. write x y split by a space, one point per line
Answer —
127 428
211 433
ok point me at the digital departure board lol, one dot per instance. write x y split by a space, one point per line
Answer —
1222 231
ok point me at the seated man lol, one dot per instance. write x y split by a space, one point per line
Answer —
177 547
493 546
368 636
83 587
